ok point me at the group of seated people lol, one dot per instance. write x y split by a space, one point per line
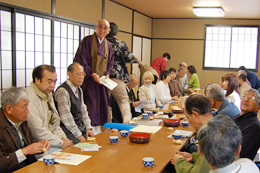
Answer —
222 140
34 121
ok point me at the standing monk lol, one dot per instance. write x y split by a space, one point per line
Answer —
95 54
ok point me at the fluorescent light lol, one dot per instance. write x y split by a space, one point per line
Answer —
208 11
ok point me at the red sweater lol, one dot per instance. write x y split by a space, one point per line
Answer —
159 64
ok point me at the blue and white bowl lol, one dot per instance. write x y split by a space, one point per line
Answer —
161 106
148 162
185 124
145 116
177 136
173 101
113 139
124 133
149 112
49 160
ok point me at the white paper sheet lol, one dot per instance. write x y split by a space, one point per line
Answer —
72 159
146 129
87 147
142 105
108 83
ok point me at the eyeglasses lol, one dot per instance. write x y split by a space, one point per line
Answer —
81 74
249 98
134 83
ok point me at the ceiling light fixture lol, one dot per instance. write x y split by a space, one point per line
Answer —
208 11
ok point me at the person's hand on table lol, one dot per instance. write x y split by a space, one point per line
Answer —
34 148
174 158
179 154
137 103
107 76
182 118
96 78
89 132
174 98
185 155
66 143
45 144
81 138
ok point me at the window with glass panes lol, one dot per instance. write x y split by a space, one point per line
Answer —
33 45
5 50
231 46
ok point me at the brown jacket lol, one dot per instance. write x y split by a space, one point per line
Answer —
8 145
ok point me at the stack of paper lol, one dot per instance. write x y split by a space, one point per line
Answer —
148 122
88 147
146 129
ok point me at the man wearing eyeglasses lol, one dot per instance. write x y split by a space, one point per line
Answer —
75 121
249 124
117 115
95 54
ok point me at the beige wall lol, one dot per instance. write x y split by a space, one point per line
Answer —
184 41
120 15
84 10
142 25
39 5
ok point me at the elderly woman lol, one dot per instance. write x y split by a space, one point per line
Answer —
173 84
163 87
194 81
148 92
231 85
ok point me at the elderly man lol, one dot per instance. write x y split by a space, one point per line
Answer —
184 79
181 73
252 78
75 121
95 54
117 116
17 147
249 124
243 84
220 143
197 110
119 73
43 119
219 102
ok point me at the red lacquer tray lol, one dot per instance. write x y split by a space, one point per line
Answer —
139 138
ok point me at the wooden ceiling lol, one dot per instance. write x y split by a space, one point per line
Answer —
234 9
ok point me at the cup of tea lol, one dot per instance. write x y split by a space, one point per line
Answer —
49 160
145 116
113 139
148 162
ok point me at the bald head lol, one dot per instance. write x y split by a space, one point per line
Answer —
133 81
102 28
183 65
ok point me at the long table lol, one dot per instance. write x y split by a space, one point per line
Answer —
124 156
